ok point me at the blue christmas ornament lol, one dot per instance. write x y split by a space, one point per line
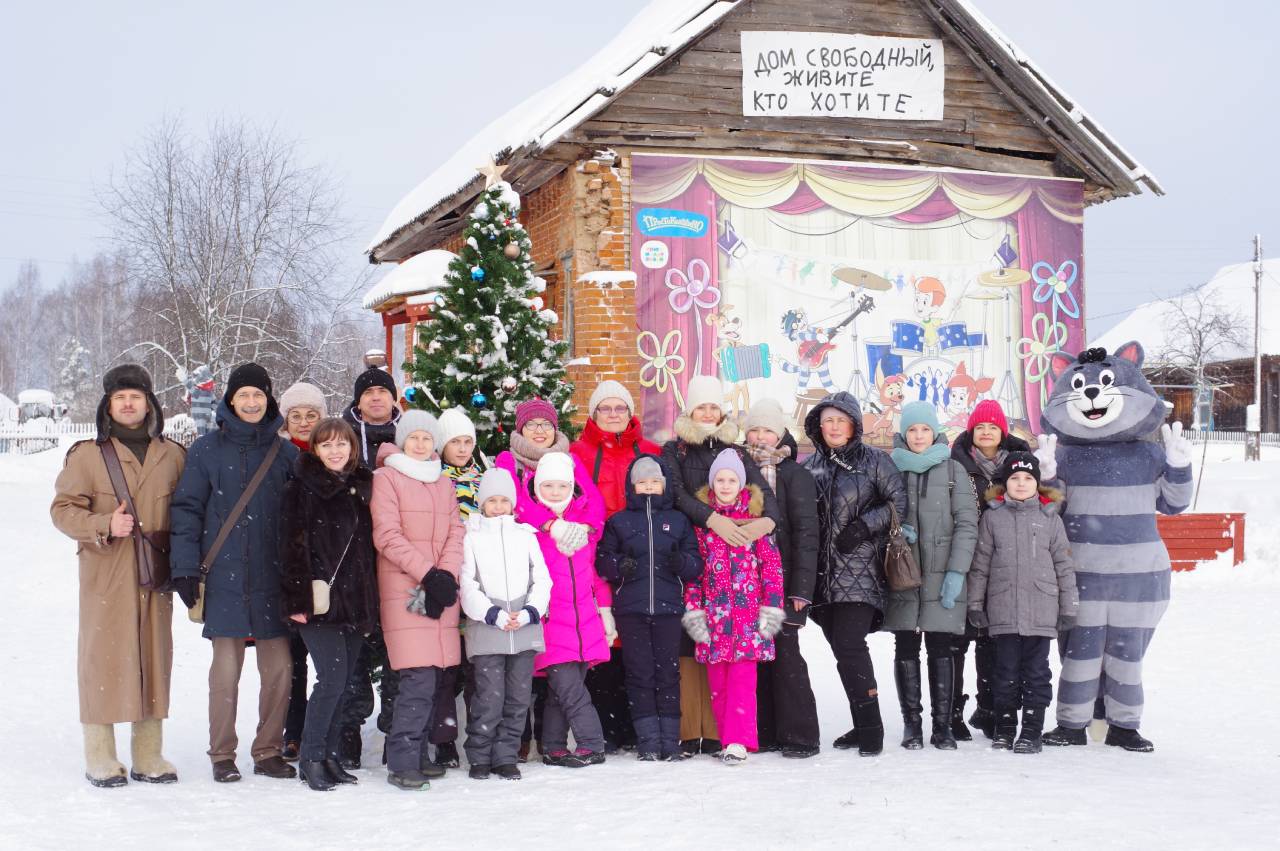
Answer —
477 274
479 400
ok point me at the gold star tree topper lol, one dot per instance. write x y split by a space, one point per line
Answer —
492 172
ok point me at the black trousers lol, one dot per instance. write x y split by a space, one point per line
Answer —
651 658
412 720
906 645
607 686
1022 672
845 626
358 704
298 693
984 662
334 653
786 712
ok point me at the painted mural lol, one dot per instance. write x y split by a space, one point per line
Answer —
796 279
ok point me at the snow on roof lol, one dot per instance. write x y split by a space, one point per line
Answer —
1102 141
658 30
35 397
419 274
539 120
1232 289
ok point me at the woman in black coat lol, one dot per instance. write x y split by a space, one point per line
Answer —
327 535
856 484
787 714
703 432
981 450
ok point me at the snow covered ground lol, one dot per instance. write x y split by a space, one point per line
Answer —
1212 695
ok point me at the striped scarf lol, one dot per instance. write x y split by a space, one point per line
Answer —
768 458
466 480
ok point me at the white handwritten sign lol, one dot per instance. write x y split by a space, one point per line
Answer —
835 75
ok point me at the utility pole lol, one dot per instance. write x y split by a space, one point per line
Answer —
1253 424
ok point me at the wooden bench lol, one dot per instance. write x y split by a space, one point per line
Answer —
1193 538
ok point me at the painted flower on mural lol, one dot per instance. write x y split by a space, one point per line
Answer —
1037 351
1055 286
692 288
662 362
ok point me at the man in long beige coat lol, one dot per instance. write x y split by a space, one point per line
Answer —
126 645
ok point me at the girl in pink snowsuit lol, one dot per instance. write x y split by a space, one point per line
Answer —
735 609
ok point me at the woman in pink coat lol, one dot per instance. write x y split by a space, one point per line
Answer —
418 532
733 612
579 624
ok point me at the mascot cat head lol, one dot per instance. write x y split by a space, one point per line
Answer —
1101 398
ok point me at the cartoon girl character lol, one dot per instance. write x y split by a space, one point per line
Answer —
963 391
930 294
812 347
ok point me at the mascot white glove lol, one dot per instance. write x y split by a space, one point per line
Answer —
1047 454
1177 449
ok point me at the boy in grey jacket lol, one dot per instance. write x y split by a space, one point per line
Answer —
1022 589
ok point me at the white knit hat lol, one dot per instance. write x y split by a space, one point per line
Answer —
554 467
415 419
496 482
301 395
703 390
767 414
453 423
610 389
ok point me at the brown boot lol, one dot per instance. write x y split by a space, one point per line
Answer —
102 768
148 765
274 766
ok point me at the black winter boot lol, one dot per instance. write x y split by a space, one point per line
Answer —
1032 727
1122 737
984 720
336 772
1006 729
349 746
941 682
313 773
869 726
906 676
648 737
959 730
1060 737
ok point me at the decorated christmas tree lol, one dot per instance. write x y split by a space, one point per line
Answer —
487 345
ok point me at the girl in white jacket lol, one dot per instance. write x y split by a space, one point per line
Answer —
505 589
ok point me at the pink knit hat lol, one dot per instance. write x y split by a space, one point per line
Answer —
533 409
989 411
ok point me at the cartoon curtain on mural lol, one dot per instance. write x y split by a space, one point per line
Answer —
792 280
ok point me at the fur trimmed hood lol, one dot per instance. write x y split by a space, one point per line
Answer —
690 432
752 506
1050 498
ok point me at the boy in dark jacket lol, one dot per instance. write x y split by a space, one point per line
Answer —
1022 590
649 550
787 712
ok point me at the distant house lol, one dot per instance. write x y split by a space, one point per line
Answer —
799 196
1229 370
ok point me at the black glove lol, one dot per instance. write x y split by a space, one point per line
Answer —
187 588
978 618
852 536
441 587
627 568
1066 623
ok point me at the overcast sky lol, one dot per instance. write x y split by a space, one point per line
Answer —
383 91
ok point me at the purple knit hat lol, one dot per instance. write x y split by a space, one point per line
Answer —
728 460
533 409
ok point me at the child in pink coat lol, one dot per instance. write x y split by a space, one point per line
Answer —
735 609
579 623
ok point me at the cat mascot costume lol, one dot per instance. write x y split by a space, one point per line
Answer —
1100 420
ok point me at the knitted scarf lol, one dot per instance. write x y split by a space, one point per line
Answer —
989 467
528 454
921 462
465 482
768 458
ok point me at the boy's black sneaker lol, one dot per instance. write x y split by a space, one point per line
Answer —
1122 737
1061 737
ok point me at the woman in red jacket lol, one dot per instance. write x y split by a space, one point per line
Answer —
611 441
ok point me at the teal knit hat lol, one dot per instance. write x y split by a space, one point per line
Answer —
917 413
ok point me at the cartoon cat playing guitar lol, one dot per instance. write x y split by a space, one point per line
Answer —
813 345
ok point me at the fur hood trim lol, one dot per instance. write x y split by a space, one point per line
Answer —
755 500
1048 496
690 432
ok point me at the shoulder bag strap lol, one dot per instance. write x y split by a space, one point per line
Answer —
118 484
236 510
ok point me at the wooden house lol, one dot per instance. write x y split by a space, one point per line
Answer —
884 196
